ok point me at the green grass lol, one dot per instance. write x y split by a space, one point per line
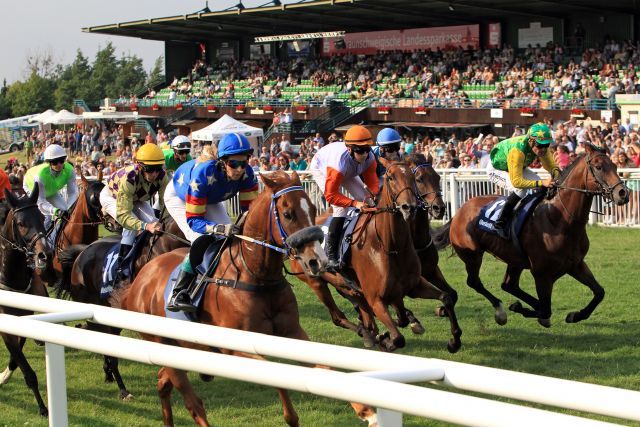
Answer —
603 350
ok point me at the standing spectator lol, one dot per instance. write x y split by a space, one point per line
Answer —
285 146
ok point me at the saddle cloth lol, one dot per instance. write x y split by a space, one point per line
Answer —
110 266
491 212
345 239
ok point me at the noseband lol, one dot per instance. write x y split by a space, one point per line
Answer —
424 204
605 190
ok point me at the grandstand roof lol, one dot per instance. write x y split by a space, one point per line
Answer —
350 16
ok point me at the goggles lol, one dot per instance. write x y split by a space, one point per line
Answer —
235 164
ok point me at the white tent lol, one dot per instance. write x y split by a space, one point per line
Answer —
43 116
227 124
63 117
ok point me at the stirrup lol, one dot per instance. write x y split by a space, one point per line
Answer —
181 302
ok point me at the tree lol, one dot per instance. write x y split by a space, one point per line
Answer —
31 97
41 62
130 78
5 108
72 82
104 74
156 75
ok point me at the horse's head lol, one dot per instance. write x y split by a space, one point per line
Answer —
398 189
604 175
92 191
293 216
25 229
428 187
4 211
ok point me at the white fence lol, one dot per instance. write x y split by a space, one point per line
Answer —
458 186
373 382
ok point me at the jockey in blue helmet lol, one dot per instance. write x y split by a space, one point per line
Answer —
195 199
387 146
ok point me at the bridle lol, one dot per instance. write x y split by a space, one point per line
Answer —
424 203
393 206
23 245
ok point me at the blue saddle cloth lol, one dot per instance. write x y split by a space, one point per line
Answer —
491 212
347 231
168 290
110 266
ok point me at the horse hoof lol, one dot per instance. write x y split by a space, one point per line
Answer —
44 412
453 346
516 307
440 312
501 316
126 396
545 322
206 378
5 376
416 328
368 341
572 317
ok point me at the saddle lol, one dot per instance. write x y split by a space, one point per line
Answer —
110 264
350 221
521 213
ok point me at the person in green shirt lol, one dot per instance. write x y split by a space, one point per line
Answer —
52 177
509 168
298 163
178 153
28 148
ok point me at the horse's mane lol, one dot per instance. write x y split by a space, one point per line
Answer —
418 158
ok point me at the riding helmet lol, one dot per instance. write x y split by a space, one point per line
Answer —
232 144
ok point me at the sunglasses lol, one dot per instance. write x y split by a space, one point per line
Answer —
542 147
235 164
152 169
361 150
57 161
391 149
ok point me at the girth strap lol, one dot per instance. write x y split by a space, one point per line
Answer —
249 287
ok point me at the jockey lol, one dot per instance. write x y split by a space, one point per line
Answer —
195 199
340 165
127 194
52 176
178 154
509 167
387 146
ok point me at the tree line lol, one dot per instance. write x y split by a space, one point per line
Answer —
55 86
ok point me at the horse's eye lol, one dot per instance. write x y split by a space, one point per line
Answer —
598 167
389 177
287 215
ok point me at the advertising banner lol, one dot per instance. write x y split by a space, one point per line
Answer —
406 40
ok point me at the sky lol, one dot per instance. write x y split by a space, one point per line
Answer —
34 26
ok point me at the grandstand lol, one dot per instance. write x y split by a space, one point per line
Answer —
213 66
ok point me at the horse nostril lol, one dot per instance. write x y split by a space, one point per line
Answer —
405 207
42 256
623 193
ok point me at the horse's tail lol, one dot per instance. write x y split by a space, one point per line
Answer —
441 237
67 257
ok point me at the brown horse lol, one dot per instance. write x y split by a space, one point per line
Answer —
24 252
554 240
385 264
250 291
85 266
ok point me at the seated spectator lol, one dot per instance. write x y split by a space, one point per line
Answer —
298 163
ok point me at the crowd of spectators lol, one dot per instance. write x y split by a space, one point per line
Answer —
441 77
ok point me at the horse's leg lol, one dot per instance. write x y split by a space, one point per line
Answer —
511 284
434 275
426 290
473 261
110 365
338 318
392 339
30 378
178 379
544 288
583 274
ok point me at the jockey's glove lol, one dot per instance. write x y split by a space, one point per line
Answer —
225 230
369 202
59 213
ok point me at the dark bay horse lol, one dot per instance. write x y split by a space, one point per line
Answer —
24 252
261 299
85 279
385 264
554 240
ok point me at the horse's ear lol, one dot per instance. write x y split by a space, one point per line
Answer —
84 181
11 199
384 162
34 194
270 183
429 158
295 178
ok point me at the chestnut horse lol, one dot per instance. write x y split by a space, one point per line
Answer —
554 240
384 261
85 266
249 291
23 252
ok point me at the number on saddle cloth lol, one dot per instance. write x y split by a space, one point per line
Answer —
490 213
345 238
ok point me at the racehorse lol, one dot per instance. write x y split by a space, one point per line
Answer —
248 290
23 252
385 264
554 240
85 279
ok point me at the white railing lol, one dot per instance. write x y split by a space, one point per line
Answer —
458 186
373 383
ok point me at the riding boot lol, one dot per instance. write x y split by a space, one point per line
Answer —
505 214
124 251
333 244
180 299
